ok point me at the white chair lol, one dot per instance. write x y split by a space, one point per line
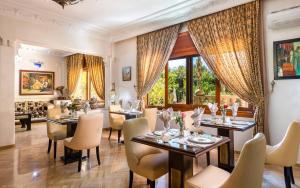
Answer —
248 172
286 152
116 121
151 115
146 161
55 132
87 136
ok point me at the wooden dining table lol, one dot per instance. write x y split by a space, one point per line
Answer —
226 151
180 156
128 114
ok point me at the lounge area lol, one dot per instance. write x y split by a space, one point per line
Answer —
159 94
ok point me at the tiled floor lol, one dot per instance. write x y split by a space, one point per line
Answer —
29 165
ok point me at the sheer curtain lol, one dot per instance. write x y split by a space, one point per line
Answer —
153 52
229 41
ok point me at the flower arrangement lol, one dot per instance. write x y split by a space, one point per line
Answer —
72 107
179 119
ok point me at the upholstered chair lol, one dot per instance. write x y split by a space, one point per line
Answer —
116 121
143 160
87 136
151 115
248 172
55 132
286 152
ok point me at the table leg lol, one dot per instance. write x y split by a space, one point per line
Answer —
71 128
226 151
180 169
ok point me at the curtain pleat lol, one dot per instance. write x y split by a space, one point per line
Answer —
96 70
153 52
230 43
74 66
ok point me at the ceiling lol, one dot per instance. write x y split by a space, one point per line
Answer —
118 19
27 48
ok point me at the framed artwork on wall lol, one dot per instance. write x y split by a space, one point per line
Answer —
126 73
287 59
36 82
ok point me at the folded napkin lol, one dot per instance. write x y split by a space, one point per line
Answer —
197 116
213 107
166 116
234 108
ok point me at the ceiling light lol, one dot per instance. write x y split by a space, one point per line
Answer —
63 3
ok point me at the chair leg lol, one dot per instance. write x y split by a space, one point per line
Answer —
152 184
119 135
88 153
208 158
65 154
130 178
109 133
291 175
98 156
55 147
148 182
287 177
49 145
80 160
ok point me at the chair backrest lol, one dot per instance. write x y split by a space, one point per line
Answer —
151 115
248 172
289 146
115 108
88 131
55 113
135 151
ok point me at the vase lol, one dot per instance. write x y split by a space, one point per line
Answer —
224 115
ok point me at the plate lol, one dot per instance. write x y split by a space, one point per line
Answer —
158 133
240 122
200 140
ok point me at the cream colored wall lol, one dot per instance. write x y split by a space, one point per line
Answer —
45 36
50 63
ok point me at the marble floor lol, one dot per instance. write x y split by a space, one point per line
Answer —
28 165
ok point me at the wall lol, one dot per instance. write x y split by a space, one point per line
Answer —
45 36
51 63
284 101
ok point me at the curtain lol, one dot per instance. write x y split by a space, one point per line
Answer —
96 70
230 43
74 66
153 52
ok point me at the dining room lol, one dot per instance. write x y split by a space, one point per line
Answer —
192 93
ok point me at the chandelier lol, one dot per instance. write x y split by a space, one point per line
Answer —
63 3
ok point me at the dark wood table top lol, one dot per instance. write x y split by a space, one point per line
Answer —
238 125
63 121
180 148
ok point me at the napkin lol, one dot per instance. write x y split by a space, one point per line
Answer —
166 116
197 116
213 107
234 108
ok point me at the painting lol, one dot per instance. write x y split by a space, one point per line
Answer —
287 59
126 73
36 82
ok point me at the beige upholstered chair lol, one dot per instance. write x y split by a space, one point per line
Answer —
116 121
87 136
151 115
146 161
286 152
248 172
55 132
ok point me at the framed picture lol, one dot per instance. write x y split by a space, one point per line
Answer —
126 73
36 82
287 59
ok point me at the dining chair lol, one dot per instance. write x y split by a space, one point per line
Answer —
116 121
143 160
248 172
285 153
151 115
55 132
87 136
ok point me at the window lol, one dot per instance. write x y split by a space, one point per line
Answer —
188 82
85 89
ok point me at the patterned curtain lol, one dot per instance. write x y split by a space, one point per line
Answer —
74 66
96 70
230 43
153 52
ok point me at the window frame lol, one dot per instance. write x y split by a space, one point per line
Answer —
243 112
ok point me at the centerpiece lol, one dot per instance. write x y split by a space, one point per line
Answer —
72 108
179 119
